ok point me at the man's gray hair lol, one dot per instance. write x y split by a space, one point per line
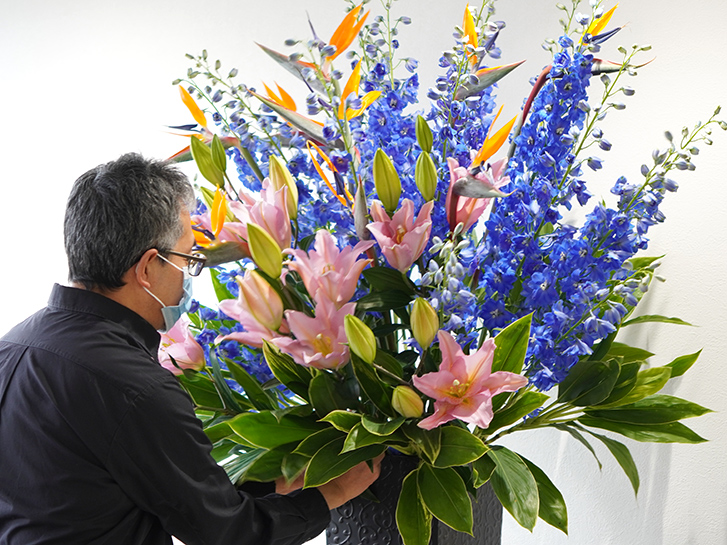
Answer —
118 211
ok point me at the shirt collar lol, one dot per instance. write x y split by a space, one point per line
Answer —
89 302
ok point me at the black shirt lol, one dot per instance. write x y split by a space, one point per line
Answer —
99 443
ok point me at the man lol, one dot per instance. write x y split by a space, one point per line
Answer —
98 443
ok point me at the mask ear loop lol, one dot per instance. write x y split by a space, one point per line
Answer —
147 290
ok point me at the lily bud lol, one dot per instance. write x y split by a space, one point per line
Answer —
424 322
386 180
280 176
261 300
424 134
361 339
407 402
265 251
425 176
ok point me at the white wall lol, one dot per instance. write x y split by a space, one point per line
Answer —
86 80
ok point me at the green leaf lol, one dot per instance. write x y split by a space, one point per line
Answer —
579 437
521 407
342 420
221 291
412 517
551 507
293 465
512 344
444 494
589 382
226 394
515 486
255 393
628 353
655 409
673 432
264 430
643 262
389 362
375 390
316 441
266 467
218 431
203 157
600 350
202 390
327 394
218 154
626 382
329 463
428 442
382 428
651 318
387 279
458 447
383 301
360 437
682 364
296 377
623 457
483 469
484 80
648 382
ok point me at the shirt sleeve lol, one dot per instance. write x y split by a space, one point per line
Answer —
160 456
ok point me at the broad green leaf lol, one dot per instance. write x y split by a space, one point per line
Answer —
386 279
648 382
444 494
221 291
579 437
218 431
655 409
521 407
382 428
203 158
673 432
651 318
238 466
218 153
254 391
329 463
601 350
551 507
222 451
316 441
428 442
296 377
389 362
412 517
625 383
682 364
327 394
623 457
293 465
226 394
515 486
483 469
360 437
458 447
202 391
512 345
342 420
266 468
375 390
628 353
264 430
588 382
383 301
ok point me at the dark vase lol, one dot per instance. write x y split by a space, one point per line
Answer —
363 522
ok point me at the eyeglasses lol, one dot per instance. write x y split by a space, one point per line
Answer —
195 261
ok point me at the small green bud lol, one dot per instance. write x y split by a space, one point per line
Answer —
407 402
206 165
424 322
280 177
425 176
386 180
361 339
424 134
264 250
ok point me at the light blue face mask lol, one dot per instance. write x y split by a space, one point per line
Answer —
173 313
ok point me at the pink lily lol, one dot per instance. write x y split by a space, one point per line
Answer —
179 344
270 212
329 272
402 238
320 341
258 308
469 209
464 386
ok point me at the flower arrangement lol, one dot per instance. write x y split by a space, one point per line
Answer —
352 320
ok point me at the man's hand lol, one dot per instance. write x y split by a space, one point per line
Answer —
351 484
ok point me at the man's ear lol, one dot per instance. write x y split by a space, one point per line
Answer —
143 272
